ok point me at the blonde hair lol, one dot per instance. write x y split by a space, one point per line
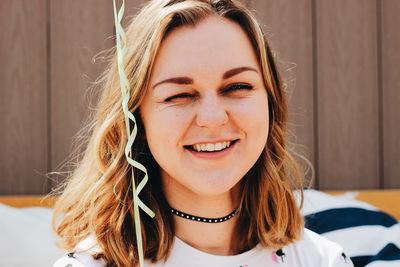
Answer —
97 198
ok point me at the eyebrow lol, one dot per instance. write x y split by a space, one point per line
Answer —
188 80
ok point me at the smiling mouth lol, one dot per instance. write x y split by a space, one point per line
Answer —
211 147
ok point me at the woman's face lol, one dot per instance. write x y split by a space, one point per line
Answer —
205 93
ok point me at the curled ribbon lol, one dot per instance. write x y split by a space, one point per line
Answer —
131 133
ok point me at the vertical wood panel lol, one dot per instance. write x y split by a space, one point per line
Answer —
288 26
391 92
347 94
23 97
79 31
131 9
347 83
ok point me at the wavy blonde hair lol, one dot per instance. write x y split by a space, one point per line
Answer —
97 197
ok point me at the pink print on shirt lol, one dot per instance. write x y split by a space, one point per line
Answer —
274 257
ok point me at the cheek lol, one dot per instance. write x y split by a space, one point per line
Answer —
165 127
164 132
253 116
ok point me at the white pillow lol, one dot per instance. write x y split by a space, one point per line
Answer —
26 237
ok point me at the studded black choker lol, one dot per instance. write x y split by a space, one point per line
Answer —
201 219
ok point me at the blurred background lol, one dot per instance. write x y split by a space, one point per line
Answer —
340 60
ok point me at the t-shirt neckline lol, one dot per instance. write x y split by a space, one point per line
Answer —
200 256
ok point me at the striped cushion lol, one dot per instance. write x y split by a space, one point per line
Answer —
370 237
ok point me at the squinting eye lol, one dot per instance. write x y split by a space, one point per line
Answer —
184 95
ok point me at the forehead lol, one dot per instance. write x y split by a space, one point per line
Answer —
214 44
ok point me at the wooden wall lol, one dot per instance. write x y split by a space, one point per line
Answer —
340 60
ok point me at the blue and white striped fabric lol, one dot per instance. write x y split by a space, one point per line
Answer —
370 237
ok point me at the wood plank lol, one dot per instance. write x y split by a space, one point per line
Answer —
391 93
23 97
288 27
26 201
347 94
79 31
385 200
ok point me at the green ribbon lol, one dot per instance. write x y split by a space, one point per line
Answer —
131 133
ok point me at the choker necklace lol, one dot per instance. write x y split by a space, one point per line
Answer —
201 219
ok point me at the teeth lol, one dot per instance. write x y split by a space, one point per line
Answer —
211 147
218 146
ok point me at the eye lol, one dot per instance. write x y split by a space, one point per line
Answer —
237 87
183 95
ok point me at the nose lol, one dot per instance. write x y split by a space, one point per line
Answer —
211 112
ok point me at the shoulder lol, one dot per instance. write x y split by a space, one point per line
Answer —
317 242
82 255
315 250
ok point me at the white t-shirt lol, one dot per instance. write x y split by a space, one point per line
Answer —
311 251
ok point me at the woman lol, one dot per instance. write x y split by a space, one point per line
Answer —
211 116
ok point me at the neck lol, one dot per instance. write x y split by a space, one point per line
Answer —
213 238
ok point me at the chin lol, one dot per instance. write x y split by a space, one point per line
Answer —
212 188
204 183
